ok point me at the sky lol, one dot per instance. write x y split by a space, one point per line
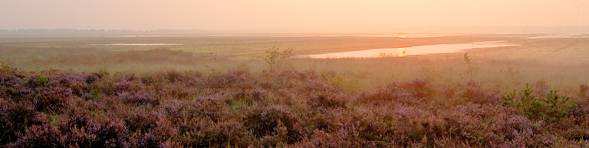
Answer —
298 16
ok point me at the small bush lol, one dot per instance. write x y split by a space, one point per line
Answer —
39 81
275 58
113 133
328 101
15 118
551 108
41 136
139 98
272 123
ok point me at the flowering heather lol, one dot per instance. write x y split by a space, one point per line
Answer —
278 108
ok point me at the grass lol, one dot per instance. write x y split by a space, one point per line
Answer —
559 61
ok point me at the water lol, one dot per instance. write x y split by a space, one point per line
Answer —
398 35
136 44
408 51
559 36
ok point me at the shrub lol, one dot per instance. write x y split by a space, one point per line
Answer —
41 136
244 98
94 94
275 58
272 123
328 101
39 81
113 133
139 98
219 135
551 108
52 99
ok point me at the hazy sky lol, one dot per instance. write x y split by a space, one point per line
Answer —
291 15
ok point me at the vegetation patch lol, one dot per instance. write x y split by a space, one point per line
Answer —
274 109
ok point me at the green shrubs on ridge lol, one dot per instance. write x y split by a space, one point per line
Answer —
550 107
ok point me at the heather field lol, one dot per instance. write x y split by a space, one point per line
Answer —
278 108
256 92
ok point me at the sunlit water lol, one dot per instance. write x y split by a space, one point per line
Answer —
396 35
559 36
408 51
136 44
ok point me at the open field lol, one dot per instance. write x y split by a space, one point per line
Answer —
557 60
251 91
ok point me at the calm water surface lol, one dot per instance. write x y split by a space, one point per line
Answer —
407 51
136 44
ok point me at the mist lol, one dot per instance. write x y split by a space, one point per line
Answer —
303 16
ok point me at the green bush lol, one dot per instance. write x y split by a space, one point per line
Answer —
41 81
275 57
552 107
